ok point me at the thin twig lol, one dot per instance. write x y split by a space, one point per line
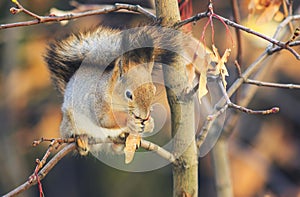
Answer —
250 111
57 140
191 19
80 7
284 23
53 18
237 19
238 68
273 85
291 2
277 48
266 84
54 144
22 9
208 124
269 39
287 13
46 169
244 109
236 16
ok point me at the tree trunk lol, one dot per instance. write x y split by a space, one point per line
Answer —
185 171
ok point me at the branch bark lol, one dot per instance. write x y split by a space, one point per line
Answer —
53 18
185 171
47 168
44 170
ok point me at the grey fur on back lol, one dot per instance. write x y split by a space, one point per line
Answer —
65 56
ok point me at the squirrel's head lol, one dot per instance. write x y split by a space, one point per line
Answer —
133 89
133 86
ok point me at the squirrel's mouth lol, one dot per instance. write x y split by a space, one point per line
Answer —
143 119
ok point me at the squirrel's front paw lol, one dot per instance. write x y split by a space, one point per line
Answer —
135 125
139 125
82 144
148 125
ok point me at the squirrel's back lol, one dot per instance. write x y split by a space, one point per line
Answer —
103 45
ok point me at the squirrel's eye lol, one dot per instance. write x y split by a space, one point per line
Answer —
128 94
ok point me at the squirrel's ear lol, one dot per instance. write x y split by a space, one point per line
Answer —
119 66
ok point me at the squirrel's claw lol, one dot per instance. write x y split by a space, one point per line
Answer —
82 144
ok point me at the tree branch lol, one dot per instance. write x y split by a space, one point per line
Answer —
191 19
234 117
54 18
281 45
266 84
41 171
150 146
44 171
222 103
158 150
210 120
277 48
250 31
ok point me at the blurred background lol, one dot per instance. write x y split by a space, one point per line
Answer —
264 150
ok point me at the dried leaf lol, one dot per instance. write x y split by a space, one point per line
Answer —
132 143
267 9
268 13
200 56
196 54
190 73
203 77
220 67
278 17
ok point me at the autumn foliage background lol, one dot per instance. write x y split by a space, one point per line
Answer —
264 150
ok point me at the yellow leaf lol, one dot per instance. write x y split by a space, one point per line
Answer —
220 68
203 77
278 17
199 60
269 12
132 143
264 9
190 73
